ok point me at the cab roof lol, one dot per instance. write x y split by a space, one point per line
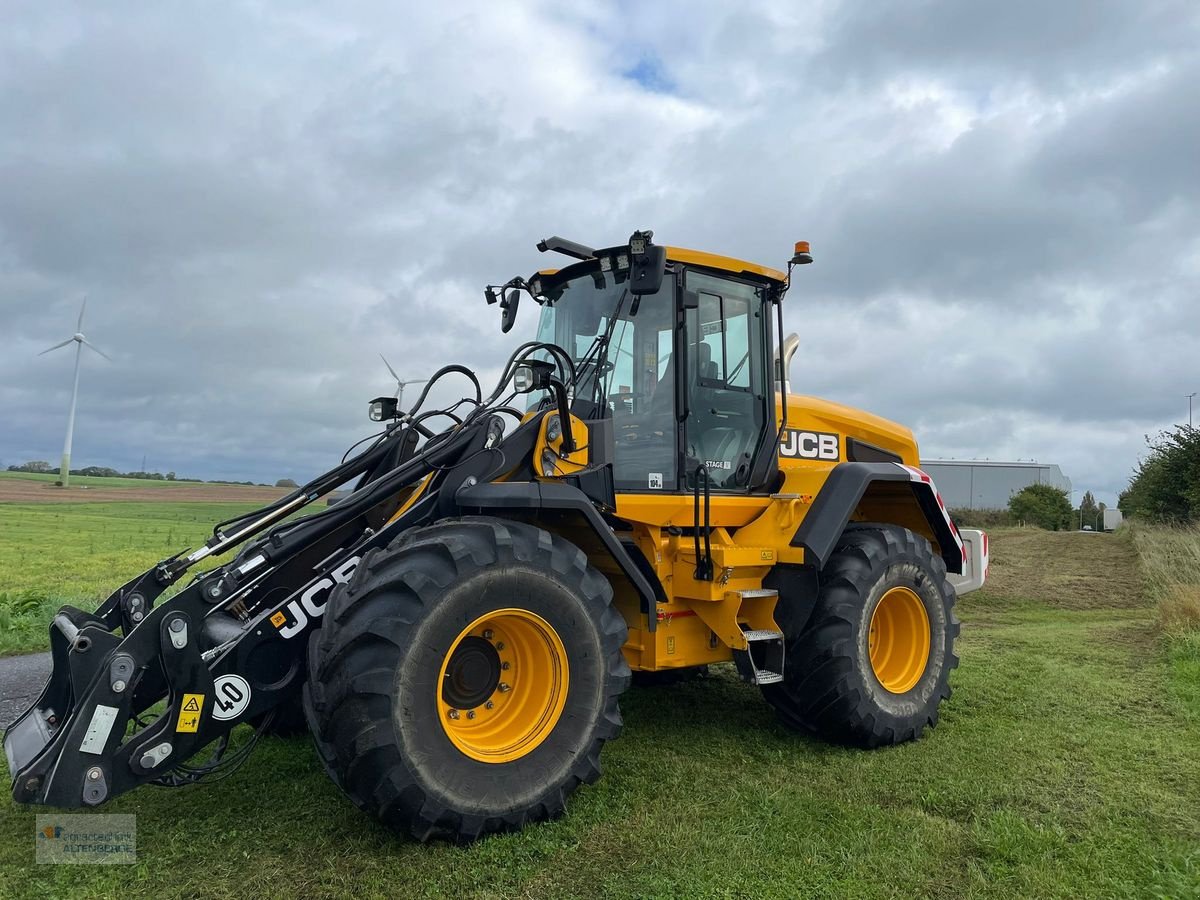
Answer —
707 260
724 263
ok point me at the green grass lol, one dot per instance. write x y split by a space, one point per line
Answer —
1170 564
78 553
96 481
1065 765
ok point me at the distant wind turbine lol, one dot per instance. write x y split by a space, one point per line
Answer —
401 384
64 473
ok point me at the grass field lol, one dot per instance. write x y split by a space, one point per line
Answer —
1066 765
78 553
94 481
24 487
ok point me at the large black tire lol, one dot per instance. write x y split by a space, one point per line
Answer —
377 712
830 687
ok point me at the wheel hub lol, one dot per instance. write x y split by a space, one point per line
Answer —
472 673
898 642
503 685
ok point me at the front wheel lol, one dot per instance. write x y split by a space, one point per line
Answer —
872 664
466 679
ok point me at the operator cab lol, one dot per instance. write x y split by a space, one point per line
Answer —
684 372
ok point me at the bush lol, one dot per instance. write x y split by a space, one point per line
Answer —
1042 505
982 518
97 471
1166 486
286 482
37 466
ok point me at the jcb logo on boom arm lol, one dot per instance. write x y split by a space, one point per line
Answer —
809 445
308 607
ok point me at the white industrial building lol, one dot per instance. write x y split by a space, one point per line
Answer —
987 484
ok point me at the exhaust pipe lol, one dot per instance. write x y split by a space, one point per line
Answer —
783 366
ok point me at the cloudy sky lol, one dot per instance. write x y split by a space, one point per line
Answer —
257 199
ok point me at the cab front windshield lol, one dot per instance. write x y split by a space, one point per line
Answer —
635 377
725 338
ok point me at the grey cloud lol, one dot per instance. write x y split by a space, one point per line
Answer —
259 199
1053 45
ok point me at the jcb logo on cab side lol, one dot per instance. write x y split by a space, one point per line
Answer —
809 445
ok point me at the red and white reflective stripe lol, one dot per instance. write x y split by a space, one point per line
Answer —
920 477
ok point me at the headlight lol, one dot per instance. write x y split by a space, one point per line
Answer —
382 408
524 380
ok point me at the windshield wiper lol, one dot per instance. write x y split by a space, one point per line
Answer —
599 349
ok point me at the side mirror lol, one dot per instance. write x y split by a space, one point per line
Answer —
510 300
648 264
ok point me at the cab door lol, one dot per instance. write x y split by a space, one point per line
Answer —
727 332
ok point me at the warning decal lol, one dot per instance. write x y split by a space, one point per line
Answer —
189 713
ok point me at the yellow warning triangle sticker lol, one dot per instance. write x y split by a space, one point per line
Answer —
191 705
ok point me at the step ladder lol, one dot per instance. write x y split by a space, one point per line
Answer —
762 660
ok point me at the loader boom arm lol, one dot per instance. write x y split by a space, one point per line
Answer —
139 687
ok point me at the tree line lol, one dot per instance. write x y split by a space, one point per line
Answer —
1165 487
41 467
1041 505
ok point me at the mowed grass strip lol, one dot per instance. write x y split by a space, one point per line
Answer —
1065 765
77 554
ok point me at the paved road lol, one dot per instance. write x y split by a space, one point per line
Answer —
21 680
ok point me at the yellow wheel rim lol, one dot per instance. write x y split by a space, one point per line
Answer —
503 685
899 640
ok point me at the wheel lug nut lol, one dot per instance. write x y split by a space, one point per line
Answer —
488 633
505 687
453 713
489 704
505 666
500 645
471 714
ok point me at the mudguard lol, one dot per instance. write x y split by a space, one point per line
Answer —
844 489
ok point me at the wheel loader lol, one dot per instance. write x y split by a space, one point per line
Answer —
639 493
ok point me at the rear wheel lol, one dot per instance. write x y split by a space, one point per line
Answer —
466 679
871 665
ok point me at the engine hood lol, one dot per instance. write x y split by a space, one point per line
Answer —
818 417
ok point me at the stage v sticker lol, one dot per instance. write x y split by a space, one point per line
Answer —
797 444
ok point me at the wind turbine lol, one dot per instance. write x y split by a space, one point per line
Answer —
401 384
64 472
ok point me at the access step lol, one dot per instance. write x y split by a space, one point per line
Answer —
762 660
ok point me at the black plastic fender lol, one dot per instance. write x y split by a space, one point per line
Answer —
841 494
527 496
